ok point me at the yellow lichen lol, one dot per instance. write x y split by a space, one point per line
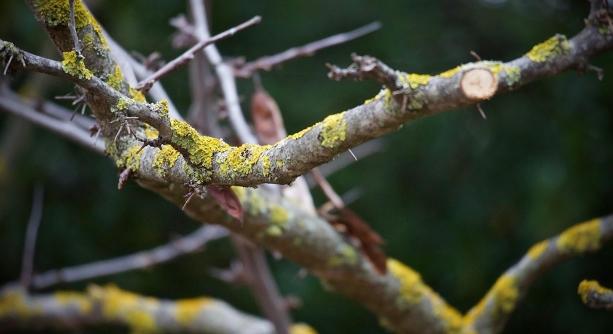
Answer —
187 310
301 328
581 238
136 311
588 288
274 231
161 107
451 319
411 286
299 134
115 79
554 46
414 80
505 293
123 103
165 159
333 130
137 95
80 301
13 301
537 250
201 149
266 165
513 74
278 215
74 65
130 158
345 255
240 160
451 72
151 132
57 12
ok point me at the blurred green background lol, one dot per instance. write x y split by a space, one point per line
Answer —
457 197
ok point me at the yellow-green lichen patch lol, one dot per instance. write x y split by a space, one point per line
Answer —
115 79
505 293
187 310
451 72
137 312
74 65
266 165
451 319
513 74
278 221
414 80
123 103
161 107
137 95
151 132
333 130
581 238
381 94
299 134
13 301
57 12
555 46
537 250
165 159
130 158
588 289
201 149
411 286
301 328
345 255
74 299
241 160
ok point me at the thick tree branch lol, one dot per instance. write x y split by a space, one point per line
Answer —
113 306
400 299
492 312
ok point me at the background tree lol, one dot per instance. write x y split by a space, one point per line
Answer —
457 197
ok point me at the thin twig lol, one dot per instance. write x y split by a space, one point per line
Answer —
266 63
30 240
188 244
146 84
73 30
327 189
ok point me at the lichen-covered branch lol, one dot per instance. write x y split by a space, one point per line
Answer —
216 162
595 295
492 312
109 305
400 299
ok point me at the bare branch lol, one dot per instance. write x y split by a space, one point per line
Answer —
29 247
64 128
146 84
595 295
185 245
367 67
266 63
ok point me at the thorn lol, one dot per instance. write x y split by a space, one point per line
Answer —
123 178
353 155
474 54
8 63
481 111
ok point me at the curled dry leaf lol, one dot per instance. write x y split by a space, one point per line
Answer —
227 200
266 117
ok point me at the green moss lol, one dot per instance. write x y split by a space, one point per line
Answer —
555 46
74 65
165 159
333 130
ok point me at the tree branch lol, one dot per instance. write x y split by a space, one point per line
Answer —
146 84
113 306
144 259
595 295
492 312
266 63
